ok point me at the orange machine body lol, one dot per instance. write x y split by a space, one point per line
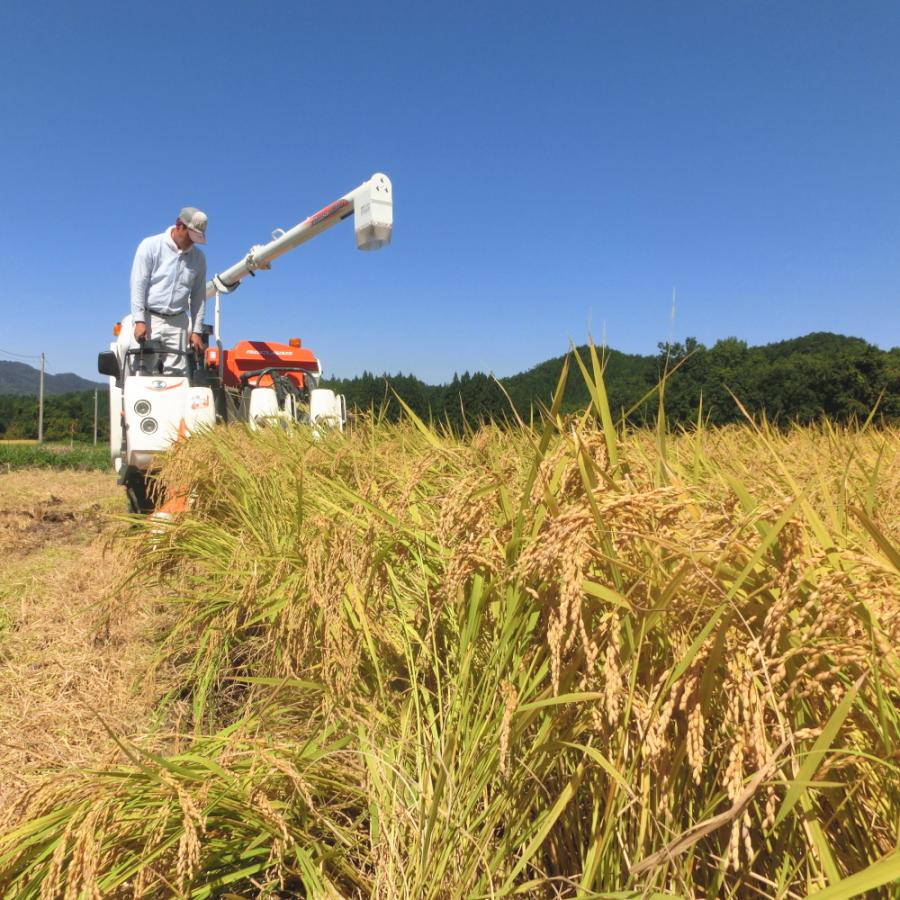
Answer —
251 356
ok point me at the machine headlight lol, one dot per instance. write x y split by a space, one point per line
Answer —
142 407
148 426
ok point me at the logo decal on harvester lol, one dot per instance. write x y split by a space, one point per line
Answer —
329 210
158 385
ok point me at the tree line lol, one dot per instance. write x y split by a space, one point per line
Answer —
66 417
803 380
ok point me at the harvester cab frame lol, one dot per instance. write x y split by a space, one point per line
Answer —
258 382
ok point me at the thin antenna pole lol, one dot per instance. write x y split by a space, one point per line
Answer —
41 405
95 417
672 318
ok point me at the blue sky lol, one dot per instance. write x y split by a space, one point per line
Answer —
558 169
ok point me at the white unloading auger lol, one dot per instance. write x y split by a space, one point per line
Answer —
372 208
258 382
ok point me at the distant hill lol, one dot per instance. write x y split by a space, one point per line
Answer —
19 378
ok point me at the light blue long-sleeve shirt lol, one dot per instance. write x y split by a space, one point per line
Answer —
168 281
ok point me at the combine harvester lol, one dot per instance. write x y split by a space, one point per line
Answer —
257 382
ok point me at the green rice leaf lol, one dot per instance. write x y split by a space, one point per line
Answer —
885 871
797 789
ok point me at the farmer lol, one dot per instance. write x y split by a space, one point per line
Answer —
168 290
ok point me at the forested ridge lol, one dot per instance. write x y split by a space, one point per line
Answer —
799 380
20 378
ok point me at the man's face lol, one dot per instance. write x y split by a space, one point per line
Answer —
182 236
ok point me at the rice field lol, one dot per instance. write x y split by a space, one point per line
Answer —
566 659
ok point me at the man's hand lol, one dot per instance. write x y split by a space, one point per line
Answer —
197 341
140 332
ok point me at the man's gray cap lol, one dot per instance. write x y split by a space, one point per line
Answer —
195 221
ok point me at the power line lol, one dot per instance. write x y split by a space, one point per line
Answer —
21 355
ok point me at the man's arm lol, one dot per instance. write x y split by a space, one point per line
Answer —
140 282
198 304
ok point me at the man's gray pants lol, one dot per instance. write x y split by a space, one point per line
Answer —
170 332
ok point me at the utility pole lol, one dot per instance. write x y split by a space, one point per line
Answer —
41 405
95 417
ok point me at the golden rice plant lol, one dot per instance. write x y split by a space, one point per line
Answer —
562 659
233 810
